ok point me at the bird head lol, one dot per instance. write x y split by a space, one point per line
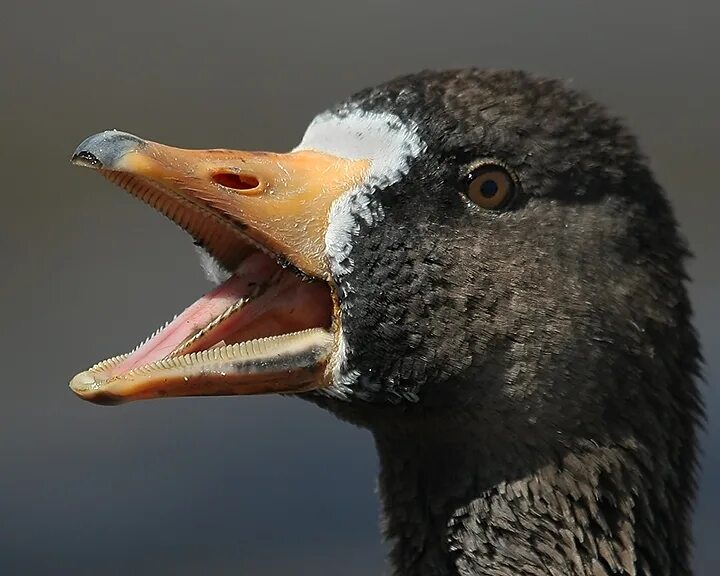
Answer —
469 242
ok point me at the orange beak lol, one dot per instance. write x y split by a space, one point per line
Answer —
266 329
281 200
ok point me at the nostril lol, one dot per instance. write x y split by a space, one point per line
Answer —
236 181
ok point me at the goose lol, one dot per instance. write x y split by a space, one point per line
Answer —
478 267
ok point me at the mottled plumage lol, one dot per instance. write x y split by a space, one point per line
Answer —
529 376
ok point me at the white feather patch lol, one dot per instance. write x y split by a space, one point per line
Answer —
390 144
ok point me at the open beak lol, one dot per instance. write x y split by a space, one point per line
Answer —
272 326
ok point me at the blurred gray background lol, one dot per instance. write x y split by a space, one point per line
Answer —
259 485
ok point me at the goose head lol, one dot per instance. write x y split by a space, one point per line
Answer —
479 267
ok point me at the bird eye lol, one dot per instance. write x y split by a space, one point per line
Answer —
490 187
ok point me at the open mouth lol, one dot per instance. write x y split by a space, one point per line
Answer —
272 325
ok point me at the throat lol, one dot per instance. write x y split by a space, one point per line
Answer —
454 507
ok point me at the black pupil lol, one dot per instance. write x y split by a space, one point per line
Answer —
489 188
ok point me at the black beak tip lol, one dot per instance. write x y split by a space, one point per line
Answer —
104 150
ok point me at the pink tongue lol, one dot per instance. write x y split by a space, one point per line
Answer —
256 269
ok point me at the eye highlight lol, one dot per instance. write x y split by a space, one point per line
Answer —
490 186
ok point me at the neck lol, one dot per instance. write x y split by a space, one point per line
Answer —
454 506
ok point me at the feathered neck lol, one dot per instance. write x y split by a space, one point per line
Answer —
458 504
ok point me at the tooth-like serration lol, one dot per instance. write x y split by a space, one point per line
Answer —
103 365
151 336
220 237
238 352
234 307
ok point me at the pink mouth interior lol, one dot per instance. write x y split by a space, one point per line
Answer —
279 303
